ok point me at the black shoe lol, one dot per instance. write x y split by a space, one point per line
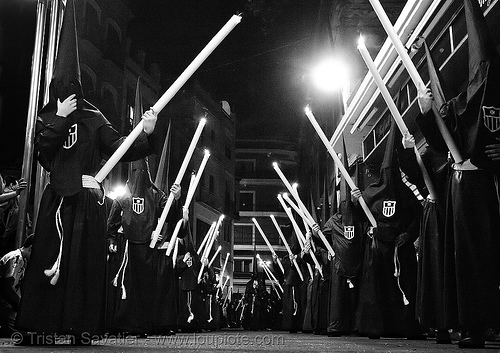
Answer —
471 342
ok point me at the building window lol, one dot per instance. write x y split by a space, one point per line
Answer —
245 167
247 200
243 234
243 265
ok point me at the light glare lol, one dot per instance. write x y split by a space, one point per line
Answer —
330 75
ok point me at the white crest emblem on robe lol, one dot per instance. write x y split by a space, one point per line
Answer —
349 232
138 204
389 208
491 118
72 137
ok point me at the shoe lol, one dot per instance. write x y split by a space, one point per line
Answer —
374 337
471 342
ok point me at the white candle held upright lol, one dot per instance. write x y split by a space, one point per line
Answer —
415 76
338 162
290 253
275 256
192 188
178 179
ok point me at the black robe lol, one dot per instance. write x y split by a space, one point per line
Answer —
472 267
148 299
293 297
345 270
255 305
431 283
69 148
191 314
211 303
387 302
320 296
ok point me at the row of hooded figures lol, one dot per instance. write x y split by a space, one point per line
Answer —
369 282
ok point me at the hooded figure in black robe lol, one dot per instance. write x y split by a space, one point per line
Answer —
388 289
473 207
65 282
431 291
211 304
191 312
344 230
144 307
255 302
293 295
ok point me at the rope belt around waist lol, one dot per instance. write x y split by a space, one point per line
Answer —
465 165
89 182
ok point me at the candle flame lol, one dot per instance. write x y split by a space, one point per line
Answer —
307 109
275 165
361 41
203 121
207 153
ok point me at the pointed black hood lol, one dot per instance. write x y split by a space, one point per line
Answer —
391 202
66 78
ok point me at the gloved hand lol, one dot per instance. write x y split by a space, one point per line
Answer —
149 119
67 106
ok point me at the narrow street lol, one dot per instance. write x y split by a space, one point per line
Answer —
246 341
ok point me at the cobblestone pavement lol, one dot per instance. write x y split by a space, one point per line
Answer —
243 341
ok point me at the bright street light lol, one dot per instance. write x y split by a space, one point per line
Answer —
330 75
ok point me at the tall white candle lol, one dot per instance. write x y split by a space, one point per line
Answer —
398 45
257 225
223 269
307 215
290 253
338 162
192 189
268 271
195 64
167 96
298 232
215 255
207 236
415 77
210 243
394 111
381 86
178 179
